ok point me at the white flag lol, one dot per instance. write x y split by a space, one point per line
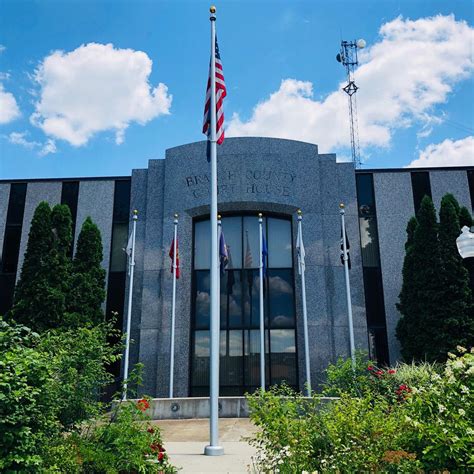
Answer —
300 252
128 251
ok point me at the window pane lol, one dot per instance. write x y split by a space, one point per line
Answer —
283 356
374 302
251 241
421 186
202 302
118 257
369 241
279 243
231 299
281 299
202 245
232 229
11 249
16 203
231 358
251 290
365 194
122 201
252 358
200 375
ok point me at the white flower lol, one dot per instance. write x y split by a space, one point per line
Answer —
435 377
441 408
464 389
461 349
461 412
458 364
281 461
470 371
451 355
470 431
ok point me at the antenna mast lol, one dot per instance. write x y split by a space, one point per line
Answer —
348 57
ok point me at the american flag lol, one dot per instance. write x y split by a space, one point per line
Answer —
221 92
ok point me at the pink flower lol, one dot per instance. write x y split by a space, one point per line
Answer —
392 371
370 368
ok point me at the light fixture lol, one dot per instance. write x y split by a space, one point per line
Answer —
465 243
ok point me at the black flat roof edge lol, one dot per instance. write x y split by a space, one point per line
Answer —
86 178
408 170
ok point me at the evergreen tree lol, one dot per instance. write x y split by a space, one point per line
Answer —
465 218
88 279
456 327
421 290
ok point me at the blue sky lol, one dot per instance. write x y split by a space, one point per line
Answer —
80 91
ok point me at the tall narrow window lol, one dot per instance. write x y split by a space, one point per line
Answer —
470 180
421 186
239 307
373 286
69 196
118 262
11 244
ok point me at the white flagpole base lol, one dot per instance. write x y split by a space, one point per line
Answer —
213 450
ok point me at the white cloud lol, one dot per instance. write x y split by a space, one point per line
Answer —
447 153
96 88
2 48
48 147
401 78
19 138
9 110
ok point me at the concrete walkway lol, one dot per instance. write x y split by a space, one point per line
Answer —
185 440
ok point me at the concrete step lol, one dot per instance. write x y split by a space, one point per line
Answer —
185 440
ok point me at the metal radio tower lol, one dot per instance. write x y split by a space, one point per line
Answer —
348 57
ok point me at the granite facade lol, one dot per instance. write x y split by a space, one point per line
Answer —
36 192
394 202
255 175
272 176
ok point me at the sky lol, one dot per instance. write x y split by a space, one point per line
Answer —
99 87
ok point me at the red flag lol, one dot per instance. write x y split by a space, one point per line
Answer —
171 254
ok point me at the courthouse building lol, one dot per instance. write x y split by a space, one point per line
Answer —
273 176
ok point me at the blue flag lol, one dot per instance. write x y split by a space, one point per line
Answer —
264 253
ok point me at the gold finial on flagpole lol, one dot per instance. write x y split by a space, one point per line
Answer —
299 212
341 206
260 215
176 216
212 9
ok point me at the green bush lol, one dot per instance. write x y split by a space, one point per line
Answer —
125 441
412 418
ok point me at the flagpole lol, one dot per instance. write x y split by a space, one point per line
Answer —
129 309
173 308
348 286
262 316
305 315
213 449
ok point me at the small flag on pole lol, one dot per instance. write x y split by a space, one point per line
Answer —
171 254
223 254
128 251
342 251
221 92
300 252
264 253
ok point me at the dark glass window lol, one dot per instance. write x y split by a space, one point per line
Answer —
370 252
16 203
69 196
470 180
11 248
122 201
374 301
421 186
365 194
118 257
117 265
11 244
240 308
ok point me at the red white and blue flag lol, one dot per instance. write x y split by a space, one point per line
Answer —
221 92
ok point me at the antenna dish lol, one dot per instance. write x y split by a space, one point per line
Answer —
361 44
